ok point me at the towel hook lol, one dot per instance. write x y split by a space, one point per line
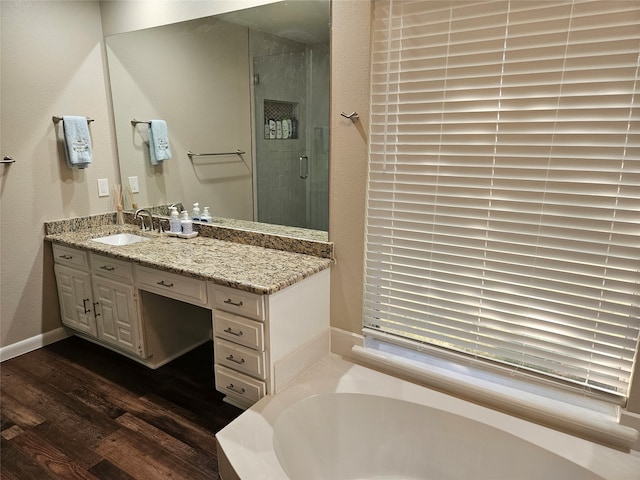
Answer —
353 116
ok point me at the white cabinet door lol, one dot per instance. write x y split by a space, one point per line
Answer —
76 301
117 315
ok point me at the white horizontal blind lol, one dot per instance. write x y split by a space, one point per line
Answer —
503 210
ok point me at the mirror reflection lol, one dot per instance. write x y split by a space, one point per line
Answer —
247 94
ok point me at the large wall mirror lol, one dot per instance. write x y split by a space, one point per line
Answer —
247 93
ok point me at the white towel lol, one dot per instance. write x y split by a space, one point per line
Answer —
77 141
158 142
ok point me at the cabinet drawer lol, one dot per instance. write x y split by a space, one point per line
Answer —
238 329
236 385
111 268
71 257
239 358
167 284
238 301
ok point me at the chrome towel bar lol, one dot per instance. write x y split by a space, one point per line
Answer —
58 118
190 154
7 159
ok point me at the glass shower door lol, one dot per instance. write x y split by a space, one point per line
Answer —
291 119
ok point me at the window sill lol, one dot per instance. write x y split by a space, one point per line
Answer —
569 412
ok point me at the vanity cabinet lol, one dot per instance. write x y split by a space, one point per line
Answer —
116 304
262 342
98 299
74 289
178 287
176 313
239 346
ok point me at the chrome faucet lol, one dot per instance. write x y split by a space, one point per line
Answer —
138 215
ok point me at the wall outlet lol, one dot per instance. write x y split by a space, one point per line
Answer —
103 187
133 184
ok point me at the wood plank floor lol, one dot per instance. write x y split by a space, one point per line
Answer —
75 410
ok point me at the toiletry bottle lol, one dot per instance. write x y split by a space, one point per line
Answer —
294 128
266 130
196 211
206 216
272 128
278 128
186 223
286 133
174 221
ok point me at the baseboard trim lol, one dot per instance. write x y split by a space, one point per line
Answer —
289 368
632 420
342 341
30 344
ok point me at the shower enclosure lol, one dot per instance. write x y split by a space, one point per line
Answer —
291 125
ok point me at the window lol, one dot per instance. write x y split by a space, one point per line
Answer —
503 209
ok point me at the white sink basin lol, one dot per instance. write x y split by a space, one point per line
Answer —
119 239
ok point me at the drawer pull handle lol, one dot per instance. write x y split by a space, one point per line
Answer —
234 389
231 359
162 282
84 305
107 268
66 257
237 334
231 302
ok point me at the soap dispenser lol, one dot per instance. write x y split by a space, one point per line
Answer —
206 216
174 221
186 223
196 211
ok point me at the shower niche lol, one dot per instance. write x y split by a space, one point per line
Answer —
280 120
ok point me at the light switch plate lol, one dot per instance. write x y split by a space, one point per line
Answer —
133 184
103 187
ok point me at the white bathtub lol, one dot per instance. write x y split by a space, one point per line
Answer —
344 421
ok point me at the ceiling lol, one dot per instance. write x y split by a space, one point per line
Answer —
310 19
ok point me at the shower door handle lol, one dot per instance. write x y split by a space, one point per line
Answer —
304 167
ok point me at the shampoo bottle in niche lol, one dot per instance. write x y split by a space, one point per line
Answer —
196 211
206 216
174 221
272 128
186 223
294 128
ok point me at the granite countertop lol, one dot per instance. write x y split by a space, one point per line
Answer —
246 267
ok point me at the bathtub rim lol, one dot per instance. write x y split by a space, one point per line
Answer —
246 444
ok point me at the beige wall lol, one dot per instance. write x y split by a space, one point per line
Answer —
350 30
52 64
